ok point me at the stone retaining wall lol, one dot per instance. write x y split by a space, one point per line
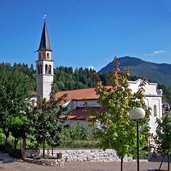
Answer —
81 155
48 162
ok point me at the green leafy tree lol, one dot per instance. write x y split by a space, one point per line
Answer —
45 121
163 137
14 93
117 130
77 132
19 126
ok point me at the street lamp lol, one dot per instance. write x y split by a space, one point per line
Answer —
137 114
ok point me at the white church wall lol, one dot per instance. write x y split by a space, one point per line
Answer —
156 112
150 88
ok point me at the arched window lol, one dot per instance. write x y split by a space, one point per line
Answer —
48 56
49 69
46 69
155 110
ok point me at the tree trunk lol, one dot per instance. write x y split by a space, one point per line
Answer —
168 162
121 163
52 150
15 143
6 139
43 148
23 147
161 162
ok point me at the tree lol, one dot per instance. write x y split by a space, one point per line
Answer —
45 121
14 93
116 130
163 137
19 126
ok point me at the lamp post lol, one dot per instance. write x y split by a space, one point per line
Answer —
137 114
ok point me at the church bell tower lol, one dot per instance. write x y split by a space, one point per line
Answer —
44 67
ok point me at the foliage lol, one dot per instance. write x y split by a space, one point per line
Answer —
77 132
80 144
66 78
14 92
77 137
166 93
45 121
117 130
163 137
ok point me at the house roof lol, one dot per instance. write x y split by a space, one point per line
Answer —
90 93
81 94
44 42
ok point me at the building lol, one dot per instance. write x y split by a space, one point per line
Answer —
76 99
44 67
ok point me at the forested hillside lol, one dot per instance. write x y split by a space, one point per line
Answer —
159 73
67 78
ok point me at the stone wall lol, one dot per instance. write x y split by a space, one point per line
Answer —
46 162
81 155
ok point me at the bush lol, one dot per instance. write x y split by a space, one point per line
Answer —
75 133
81 144
77 137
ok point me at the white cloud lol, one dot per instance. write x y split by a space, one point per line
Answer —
156 53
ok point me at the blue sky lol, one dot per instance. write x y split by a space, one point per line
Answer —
86 33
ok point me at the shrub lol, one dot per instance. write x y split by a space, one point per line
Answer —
81 144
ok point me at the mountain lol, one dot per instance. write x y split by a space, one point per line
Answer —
160 73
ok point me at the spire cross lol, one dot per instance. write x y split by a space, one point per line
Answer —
44 17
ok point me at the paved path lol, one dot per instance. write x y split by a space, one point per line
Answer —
11 164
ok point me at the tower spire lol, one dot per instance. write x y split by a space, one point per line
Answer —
44 66
44 42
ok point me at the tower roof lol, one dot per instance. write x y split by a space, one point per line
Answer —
44 42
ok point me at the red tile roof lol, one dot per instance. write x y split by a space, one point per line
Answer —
81 94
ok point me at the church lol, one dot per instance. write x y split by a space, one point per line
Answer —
76 99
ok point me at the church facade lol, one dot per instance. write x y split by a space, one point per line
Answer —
76 99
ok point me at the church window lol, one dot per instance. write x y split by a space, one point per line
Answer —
46 69
48 56
49 70
155 110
